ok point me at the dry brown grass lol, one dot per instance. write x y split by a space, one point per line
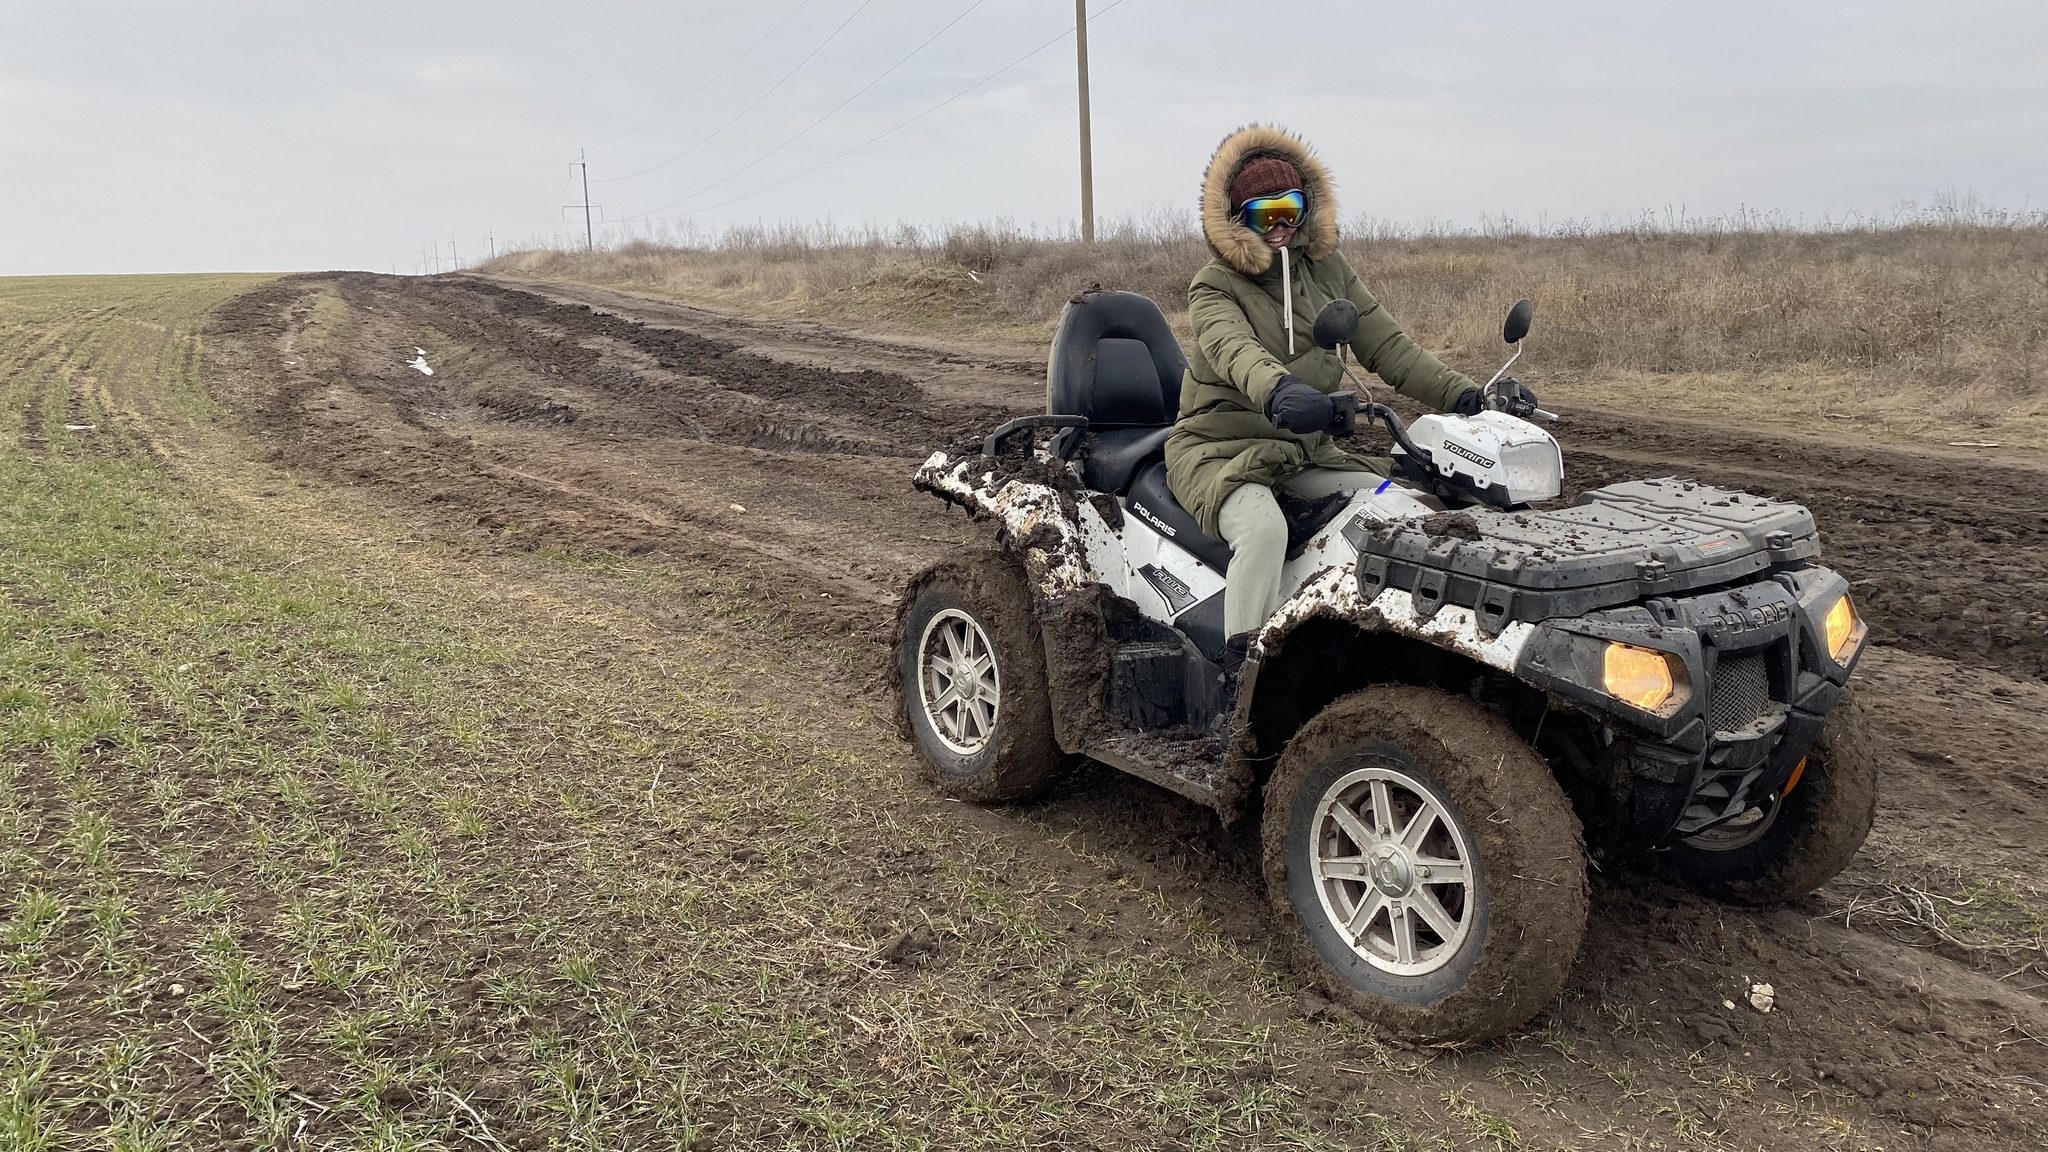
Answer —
1927 328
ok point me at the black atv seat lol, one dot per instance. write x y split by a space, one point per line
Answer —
1115 361
1112 457
1153 503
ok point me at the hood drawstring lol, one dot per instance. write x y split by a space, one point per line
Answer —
1287 298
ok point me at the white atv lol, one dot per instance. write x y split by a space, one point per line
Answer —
1459 674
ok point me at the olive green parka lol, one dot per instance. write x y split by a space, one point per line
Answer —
1222 438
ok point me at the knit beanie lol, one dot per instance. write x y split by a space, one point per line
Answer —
1262 177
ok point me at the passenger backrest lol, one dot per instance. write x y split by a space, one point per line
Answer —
1115 361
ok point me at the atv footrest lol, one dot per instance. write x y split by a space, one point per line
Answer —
1185 762
1148 685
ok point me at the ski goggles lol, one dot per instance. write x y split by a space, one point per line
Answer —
1262 214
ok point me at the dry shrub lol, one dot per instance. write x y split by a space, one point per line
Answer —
1949 302
1954 307
984 275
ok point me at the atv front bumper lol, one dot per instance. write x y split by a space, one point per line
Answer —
1753 677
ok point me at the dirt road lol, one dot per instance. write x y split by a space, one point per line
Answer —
776 455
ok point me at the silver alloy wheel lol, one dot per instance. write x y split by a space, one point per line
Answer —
958 683
1740 832
1393 871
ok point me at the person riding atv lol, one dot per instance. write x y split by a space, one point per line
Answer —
1254 406
1458 688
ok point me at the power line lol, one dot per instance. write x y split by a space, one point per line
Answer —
835 110
555 201
882 136
749 108
708 83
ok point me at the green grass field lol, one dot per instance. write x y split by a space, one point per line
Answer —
313 834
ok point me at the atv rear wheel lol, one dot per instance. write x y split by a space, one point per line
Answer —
1426 868
1802 839
970 669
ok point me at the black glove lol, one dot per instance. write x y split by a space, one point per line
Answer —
1297 407
1343 414
1516 397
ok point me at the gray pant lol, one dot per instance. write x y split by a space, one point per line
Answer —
1256 531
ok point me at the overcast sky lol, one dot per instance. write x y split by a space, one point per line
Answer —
148 137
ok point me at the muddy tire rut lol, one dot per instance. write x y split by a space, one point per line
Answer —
776 455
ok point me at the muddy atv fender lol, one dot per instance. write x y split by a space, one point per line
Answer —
970 676
1424 866
1806 836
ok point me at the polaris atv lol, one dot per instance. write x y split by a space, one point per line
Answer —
1464 673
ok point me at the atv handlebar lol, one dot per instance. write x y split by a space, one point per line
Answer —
1386 416
1520 402
1524 409
1521 407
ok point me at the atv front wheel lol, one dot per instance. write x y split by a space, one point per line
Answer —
1426 865
970 669
1798 842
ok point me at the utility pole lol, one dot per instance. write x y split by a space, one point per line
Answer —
491 238
1087 144
583 162
454 261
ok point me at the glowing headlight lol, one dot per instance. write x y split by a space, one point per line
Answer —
1637 676
1841 628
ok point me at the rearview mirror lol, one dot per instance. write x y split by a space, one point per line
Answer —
1512 331
1336 324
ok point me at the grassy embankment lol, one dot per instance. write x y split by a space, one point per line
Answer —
315 832
1934 330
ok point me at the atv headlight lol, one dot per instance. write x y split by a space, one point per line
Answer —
1842 629
1637 676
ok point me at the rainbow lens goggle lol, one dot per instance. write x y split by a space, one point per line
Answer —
1262 214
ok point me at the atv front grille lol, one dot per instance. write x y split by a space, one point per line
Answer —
1742 689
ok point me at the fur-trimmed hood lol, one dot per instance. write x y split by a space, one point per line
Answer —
1240 247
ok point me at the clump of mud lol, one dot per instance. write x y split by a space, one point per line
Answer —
1019 460
1459 525
1079 655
